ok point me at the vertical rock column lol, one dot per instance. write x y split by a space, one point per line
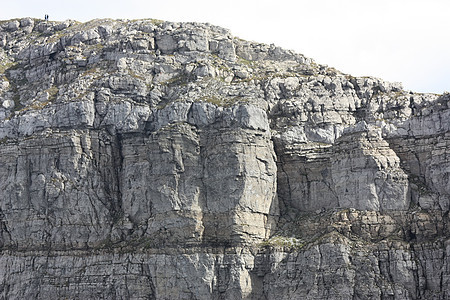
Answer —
239 176
367 174
163 192
201 179
240 185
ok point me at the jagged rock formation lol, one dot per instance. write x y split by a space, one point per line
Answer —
155 160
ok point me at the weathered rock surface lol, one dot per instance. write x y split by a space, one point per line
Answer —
156 160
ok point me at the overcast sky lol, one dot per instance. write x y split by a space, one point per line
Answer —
398 40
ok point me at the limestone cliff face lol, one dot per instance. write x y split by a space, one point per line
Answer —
155 160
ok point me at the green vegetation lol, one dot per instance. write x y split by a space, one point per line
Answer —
247 62
38 105
96 47
350 77
10 20
213 100
282 242
4 66
8 65
137 76
178 80
330 71
156 22
52 92
90 71
224 102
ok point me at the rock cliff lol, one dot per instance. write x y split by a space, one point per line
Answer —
154 160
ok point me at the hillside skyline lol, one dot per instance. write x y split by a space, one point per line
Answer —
398 42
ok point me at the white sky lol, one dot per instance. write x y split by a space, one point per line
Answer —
398 40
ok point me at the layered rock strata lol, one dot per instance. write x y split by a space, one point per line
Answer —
155 160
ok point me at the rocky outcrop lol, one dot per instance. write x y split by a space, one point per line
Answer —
155 160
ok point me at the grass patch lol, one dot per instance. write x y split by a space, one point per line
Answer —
38 105
179 80
282 242
330 71
156 22
8 65
53 37
52 92
223 102
91 72
246 62
137 76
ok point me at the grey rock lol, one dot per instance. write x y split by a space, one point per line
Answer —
13 25
26 22
366 173
166 43
8 104
142 159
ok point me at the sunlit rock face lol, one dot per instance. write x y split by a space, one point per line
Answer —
154 160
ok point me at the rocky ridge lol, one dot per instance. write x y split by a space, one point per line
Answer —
154 160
